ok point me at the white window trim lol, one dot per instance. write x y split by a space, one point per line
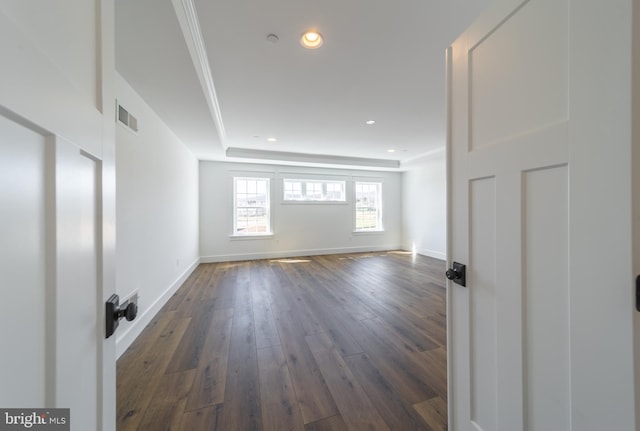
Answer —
253 235
380 228
324 182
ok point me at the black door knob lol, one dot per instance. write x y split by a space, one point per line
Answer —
114 312
452 274
129 312
457 274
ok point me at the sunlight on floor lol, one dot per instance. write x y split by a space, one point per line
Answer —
291 260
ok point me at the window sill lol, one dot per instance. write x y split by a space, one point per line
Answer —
313 203
250 237
368 232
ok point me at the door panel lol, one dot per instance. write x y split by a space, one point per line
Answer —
482 303
509 150
79 292
540 178
529 91
546 299
23 264
50 270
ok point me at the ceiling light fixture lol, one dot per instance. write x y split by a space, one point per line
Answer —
370 122
311 39
273 38
271 139
391 150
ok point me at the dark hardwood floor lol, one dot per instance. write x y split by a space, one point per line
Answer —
339 342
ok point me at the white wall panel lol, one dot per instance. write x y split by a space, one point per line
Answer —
424 206
157 211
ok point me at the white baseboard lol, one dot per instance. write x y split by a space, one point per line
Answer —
124 340
432 253
429 253
294 253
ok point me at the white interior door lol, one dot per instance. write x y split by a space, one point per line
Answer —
541 337
50 271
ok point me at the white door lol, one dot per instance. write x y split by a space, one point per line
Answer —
541 338
51 325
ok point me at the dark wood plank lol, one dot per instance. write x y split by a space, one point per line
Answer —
385 396
137 385
203 419
187 354
313 395
266 332
333 326
434 413
334 342
401 370
352 401
280 410
242 409
166 409
334 423
193 295
221 289
211 374
435 369
176 299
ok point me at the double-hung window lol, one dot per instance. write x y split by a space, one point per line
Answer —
368 206
251 206
313 190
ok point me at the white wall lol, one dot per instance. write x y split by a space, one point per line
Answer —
299 229
424 206
157 212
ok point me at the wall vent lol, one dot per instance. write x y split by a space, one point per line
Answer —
126 118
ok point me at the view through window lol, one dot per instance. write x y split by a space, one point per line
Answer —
368 206
314 190
251 206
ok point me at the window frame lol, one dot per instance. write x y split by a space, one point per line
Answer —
304 190
379 207
267 207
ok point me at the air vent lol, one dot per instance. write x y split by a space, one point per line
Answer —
127 119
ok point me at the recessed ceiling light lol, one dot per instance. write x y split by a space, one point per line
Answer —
311 39
273 38
391 150
271 139
370 122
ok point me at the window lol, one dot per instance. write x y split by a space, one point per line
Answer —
314 190
251 206
368 206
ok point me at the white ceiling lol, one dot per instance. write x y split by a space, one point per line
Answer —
381 60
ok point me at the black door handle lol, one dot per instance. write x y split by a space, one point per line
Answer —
638 293
457 274
114 312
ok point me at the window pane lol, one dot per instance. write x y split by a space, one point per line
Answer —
368 212
313 190
292 190
251 212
